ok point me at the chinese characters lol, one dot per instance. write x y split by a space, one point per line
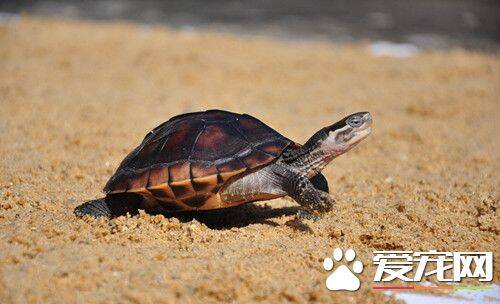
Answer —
409 266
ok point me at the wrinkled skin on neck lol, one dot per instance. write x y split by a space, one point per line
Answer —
328 143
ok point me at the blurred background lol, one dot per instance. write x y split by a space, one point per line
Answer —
76 97
471 24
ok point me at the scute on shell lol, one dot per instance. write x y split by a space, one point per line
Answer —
190 156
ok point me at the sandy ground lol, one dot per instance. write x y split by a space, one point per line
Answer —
75 97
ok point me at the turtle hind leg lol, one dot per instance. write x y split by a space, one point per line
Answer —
95 208
111 206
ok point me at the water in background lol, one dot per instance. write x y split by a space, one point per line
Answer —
472 24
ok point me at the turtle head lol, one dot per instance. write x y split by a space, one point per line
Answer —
330 142
346 133
339 138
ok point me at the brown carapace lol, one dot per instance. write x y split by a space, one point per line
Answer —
184 163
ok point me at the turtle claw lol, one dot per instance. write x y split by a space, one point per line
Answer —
304 215
328 203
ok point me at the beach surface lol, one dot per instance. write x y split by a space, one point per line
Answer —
76 97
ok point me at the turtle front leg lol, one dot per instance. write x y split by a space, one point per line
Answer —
312 200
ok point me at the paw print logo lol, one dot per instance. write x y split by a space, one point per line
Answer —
343 278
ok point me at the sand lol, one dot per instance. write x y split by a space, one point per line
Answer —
75 97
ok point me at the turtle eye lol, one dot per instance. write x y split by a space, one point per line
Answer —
355 121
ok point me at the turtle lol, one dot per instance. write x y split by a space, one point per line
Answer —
217 159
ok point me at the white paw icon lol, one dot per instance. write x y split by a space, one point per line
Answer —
343 278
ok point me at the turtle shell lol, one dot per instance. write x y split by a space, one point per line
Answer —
184 162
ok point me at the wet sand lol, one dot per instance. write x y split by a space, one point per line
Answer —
75 97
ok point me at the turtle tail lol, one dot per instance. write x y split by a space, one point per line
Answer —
95 208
